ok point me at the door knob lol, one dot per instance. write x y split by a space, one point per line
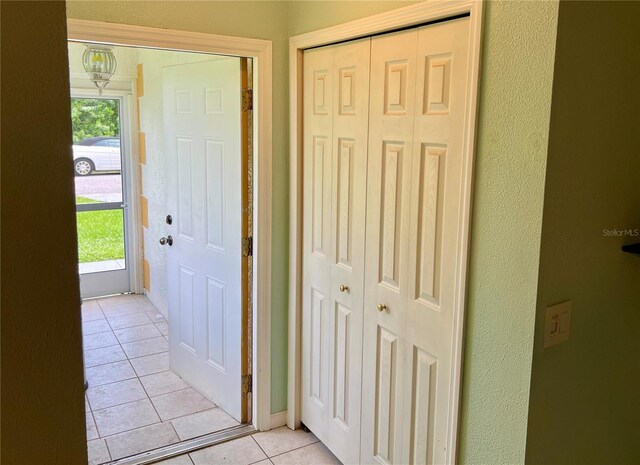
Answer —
344 288
166 240
382 307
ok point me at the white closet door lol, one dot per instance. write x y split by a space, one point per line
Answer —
316 239
391 115
435 214
336 112
349 188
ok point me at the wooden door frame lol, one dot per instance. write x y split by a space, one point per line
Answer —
261 51
414 15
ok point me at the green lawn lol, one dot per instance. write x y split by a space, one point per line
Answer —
100 234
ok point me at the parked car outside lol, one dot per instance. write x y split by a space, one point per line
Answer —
96 154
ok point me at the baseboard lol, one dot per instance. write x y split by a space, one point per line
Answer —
278 419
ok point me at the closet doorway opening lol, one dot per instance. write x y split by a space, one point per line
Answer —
170 356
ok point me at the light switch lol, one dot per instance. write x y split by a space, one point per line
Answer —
557 324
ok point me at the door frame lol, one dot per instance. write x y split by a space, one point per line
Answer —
261 51
130 182
413 15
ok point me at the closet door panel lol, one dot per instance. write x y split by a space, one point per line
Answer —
392 102
350 140
434 237
317 307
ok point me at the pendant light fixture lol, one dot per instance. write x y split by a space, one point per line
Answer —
100 64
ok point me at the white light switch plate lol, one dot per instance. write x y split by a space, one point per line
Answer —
557 324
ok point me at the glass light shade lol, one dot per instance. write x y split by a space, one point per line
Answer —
100 64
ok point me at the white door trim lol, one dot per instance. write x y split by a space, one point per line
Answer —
428 11
261 52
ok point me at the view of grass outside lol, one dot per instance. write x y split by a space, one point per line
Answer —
100 234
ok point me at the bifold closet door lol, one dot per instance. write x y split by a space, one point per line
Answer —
416 143
391 115
336 94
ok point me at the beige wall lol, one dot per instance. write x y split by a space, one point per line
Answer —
585 402
42 384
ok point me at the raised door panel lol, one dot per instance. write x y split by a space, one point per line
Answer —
436 213
350 112
392 103
202 138
317 311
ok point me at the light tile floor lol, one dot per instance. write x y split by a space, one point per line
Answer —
280 446
134 402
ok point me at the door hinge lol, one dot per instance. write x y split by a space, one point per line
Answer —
247 99
247 384
247 246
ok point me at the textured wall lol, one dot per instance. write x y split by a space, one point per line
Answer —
42 383
306 16
515 99
584 406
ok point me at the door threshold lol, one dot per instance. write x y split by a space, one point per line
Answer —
190 445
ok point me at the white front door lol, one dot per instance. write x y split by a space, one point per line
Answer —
202 110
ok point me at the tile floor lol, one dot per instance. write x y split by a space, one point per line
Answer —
134 402
280 446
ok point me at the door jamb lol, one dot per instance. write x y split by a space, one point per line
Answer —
414 15
261 51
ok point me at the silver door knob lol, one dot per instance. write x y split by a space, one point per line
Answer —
382 307
166 241
344 288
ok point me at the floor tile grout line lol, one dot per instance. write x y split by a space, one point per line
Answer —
115 405
132 326
295 448
176 431
138 340
124 352
111 382
260 447
151 401
200 411
106 444
129 430
94 422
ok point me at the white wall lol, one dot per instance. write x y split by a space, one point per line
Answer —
153 173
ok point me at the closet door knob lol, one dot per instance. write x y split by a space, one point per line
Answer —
344 288
382 307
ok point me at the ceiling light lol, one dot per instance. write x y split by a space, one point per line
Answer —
100 64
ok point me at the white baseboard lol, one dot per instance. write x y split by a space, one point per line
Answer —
278 419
